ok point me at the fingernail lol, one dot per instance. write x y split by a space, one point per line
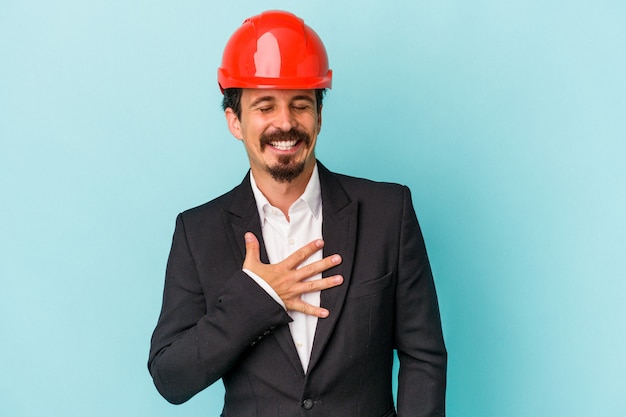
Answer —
324 314
319 243
338 279
336 259
248 237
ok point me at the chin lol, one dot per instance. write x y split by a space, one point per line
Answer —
286 173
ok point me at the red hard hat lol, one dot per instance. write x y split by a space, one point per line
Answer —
274 50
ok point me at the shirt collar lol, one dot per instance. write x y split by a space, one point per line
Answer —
312 195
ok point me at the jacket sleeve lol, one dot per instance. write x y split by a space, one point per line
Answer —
419 339
195 341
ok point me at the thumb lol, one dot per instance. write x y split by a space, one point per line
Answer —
252 250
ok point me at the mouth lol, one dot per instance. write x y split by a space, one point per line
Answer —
285 141
284 145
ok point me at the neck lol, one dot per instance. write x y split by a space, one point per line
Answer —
282 194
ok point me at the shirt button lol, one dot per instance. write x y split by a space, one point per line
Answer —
307 404
291 241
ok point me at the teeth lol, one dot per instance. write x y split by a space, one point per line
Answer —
284 145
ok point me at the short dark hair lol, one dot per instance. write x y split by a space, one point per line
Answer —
232 99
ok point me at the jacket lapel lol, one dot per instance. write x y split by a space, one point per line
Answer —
339 230
242 216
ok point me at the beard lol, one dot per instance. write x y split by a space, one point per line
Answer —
286 169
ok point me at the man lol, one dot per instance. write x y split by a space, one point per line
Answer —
295 287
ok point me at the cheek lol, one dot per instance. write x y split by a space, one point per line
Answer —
250 137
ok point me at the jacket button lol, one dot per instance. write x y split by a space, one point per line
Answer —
307 404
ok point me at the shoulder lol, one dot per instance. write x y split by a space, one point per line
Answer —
215 205
376 200
363 189
357 184
239 197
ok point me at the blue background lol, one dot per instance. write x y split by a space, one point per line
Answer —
506 119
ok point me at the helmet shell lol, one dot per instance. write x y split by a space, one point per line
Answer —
277 50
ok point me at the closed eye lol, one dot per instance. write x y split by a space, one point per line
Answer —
302 107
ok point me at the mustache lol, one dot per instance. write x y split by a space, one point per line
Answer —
285 135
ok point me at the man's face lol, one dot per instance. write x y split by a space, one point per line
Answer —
279 130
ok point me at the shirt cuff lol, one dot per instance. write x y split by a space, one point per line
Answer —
266 287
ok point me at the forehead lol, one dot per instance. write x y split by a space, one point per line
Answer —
255 94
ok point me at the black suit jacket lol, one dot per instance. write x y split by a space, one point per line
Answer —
216 322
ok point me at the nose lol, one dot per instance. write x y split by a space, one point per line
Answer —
285 119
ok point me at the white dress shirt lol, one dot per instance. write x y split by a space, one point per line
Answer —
282 238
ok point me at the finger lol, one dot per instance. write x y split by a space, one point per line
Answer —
320 284
309 309
303 253
252 249
317 267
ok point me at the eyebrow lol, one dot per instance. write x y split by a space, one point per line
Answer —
306 98
271 99
261 99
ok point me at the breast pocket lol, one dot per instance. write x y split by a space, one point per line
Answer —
369 287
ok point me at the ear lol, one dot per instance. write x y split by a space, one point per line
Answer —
234 125
319 120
